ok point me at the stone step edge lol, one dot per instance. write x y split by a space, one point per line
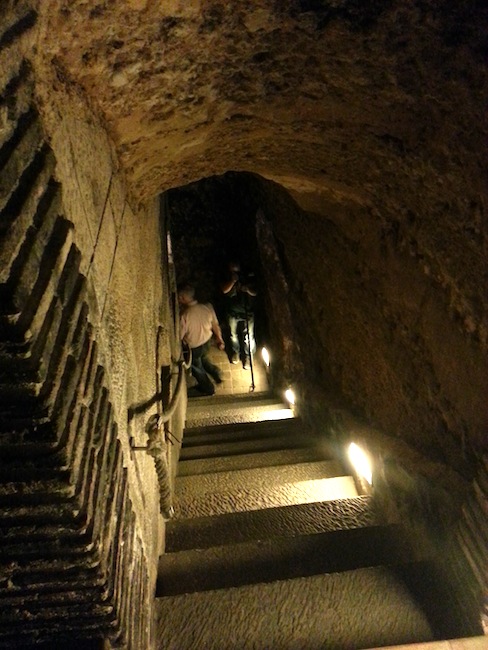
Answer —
252 498
241 398
198 467
264 561
285 521
201 452
216 481
236 428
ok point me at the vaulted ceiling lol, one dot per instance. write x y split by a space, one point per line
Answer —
334 99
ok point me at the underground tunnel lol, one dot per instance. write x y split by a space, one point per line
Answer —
338 149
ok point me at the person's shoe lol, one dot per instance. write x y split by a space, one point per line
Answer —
218 379
246 363
234 358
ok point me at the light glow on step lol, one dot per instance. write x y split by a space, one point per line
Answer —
265 355
277 414
327 489
361 462
290 396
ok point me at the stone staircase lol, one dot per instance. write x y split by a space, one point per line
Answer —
272 546
72 563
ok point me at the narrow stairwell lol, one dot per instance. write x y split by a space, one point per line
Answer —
272 547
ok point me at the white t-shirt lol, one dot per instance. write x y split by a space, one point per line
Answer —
196 324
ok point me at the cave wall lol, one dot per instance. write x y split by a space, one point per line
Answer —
85 326
387 328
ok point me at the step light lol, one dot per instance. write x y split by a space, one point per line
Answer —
290 396
361 462
265 355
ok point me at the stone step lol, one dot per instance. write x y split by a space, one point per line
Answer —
230 409
18 154
249 437
34 308
285 521
77 525
238 447
256 498
203 404
61 336
250 460
243 431
21 81
190 487
281 558
35 198
227 436
22 257
352 609
48 441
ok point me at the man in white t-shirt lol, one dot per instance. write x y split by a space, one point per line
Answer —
198 322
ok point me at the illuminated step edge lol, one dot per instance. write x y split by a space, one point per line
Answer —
257 498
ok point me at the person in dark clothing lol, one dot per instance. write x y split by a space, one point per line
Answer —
239 291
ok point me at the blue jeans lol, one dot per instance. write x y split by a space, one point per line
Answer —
239 340
200 366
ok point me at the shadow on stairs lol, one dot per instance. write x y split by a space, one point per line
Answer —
273 548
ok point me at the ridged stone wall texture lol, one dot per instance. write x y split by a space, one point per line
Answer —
80 530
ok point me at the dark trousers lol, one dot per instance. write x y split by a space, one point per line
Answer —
201 368
239 331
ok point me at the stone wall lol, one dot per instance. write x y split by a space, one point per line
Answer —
386 329
82 342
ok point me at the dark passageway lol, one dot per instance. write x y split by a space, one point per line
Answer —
213 223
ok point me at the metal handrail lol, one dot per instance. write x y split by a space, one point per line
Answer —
156 446
141 407
182 367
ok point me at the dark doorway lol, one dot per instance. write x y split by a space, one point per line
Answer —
212 222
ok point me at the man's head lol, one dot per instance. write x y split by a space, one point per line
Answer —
234 267
186 294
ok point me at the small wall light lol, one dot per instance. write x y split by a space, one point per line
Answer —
265 355
361 462
290 396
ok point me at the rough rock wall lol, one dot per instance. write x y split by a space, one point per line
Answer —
81 299
327 98
387 330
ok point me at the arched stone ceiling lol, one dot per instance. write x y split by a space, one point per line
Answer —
330 98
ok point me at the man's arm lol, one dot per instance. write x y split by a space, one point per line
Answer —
228 284
218 335
217 332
